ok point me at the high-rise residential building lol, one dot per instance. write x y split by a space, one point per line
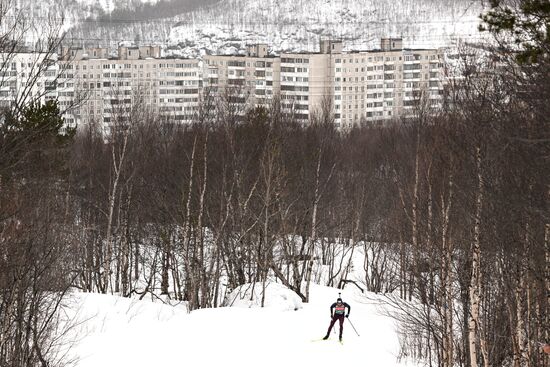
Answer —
242 81
384 84
109 90
349 87
354 87
307 81
25 77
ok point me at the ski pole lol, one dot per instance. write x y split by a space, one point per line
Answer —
353 326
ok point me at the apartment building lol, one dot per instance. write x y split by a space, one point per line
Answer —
109 90
242 81
384 84
26 76
360 86
307 81
354 87
300 80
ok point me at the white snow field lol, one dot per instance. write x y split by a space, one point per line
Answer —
115 331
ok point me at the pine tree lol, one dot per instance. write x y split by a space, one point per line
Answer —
528 24
34 138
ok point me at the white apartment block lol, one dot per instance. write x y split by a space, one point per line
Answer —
384 84
242 81
138 81
25 77
354 88
307 81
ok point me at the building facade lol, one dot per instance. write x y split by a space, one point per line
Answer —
138 81
351 88
354 87
385 84
25 77
242 82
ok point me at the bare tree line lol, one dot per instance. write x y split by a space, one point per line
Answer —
473 186
35 230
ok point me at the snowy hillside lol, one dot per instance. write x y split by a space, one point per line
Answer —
298 25
225 26
125 332
75 10
69 13
113 331
84 7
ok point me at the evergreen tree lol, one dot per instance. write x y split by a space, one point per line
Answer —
33 141
527 24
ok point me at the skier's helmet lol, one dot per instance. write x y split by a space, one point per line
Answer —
339 300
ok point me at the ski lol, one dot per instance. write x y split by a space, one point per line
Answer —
320 340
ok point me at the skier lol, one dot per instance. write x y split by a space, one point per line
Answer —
338 315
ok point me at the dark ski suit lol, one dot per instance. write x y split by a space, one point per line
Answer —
338 315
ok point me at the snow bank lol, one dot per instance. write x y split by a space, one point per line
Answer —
277 297
114 331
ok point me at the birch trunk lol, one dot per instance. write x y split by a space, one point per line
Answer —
126 249
185 226
429 245
311 248
414 219
165 262
546 304
474 288
117 168
202 278
520 294
447 278
521 336
264 253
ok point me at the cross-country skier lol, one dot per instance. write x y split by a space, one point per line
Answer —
338 315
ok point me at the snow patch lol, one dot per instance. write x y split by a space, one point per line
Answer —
115 331
277 297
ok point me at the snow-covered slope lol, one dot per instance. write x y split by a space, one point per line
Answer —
68 13
112 331
298 25
84 7
124 332
221 26
194 27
